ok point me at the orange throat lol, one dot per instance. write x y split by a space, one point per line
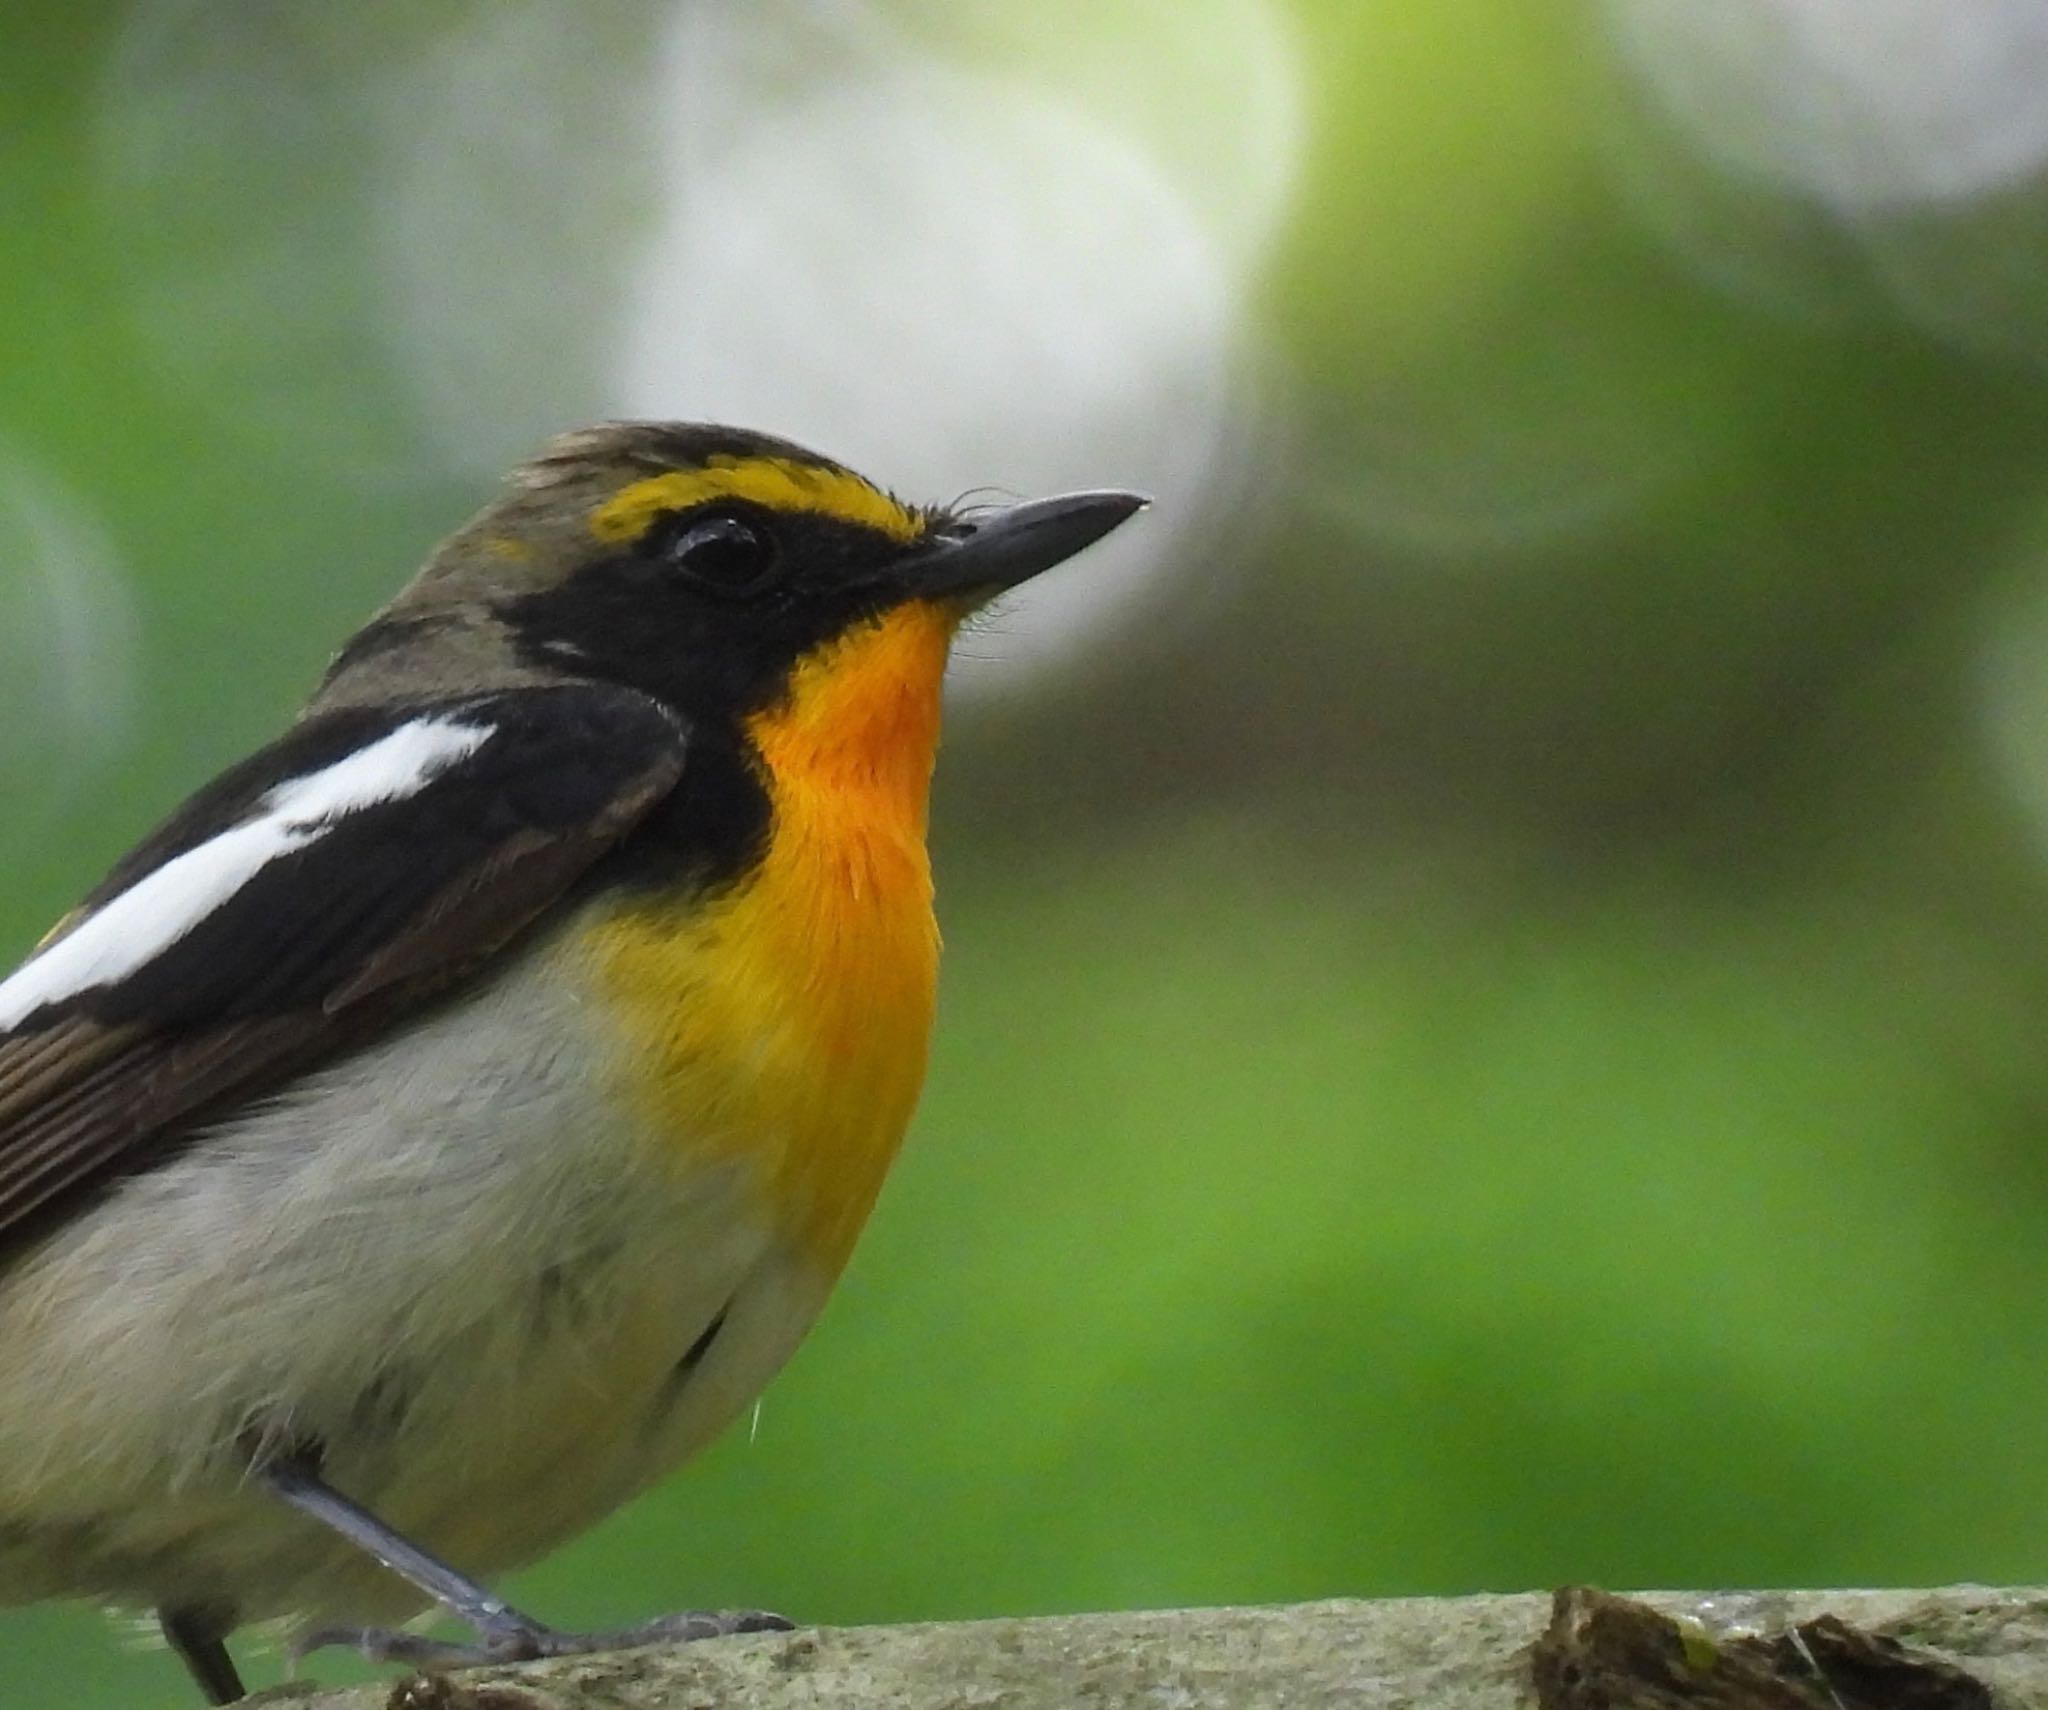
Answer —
785 1022
862 716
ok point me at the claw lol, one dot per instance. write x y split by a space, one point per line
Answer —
389 1645
520 1642
680 1628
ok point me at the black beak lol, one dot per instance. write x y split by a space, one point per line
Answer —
978 557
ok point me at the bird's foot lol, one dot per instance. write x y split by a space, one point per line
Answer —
520 1640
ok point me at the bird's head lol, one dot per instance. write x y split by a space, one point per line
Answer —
724 573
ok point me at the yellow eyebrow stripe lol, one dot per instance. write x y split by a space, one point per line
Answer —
779 483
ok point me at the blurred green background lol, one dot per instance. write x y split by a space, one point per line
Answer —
1497 956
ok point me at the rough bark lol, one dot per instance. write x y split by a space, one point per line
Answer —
1963 1648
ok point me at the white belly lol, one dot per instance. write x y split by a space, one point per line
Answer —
475 1287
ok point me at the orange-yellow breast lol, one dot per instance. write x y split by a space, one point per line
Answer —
786 1020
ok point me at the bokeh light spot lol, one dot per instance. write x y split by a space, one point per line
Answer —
68 637
1858 103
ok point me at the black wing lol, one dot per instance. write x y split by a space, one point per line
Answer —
318 912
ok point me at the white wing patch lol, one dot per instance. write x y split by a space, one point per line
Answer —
159 909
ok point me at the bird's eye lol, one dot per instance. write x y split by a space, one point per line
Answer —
722 553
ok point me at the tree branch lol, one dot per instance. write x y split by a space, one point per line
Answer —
1966 1648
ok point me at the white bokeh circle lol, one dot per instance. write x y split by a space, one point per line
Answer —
939 253
68 636
1849 158
1861 104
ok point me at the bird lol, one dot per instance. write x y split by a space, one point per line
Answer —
449 1119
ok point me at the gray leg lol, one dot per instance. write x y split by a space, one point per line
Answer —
504 1633
199 1637
496 1622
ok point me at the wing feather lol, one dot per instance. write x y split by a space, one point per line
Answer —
362 914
